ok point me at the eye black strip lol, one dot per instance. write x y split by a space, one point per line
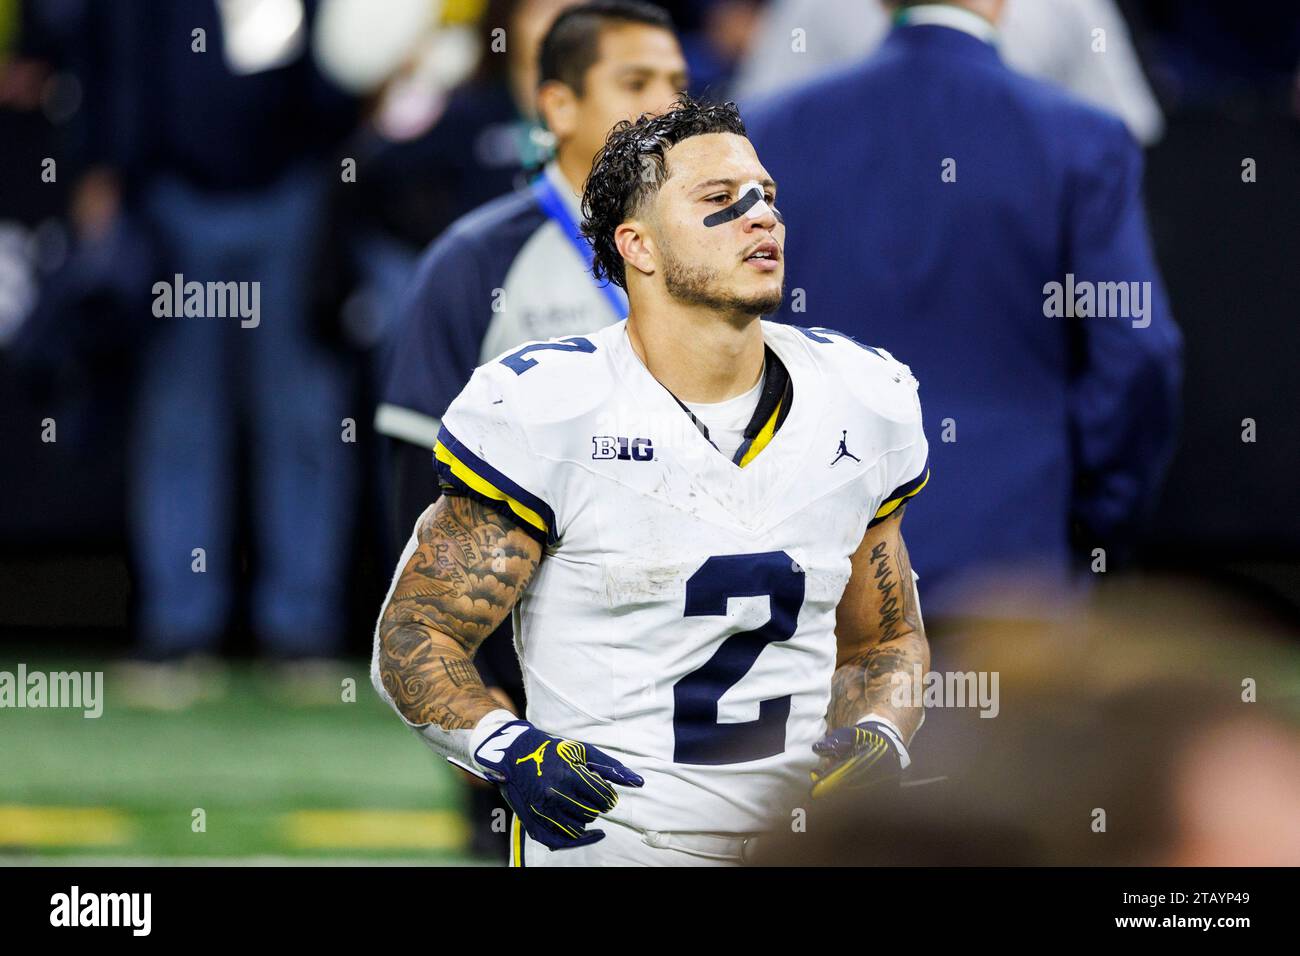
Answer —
737 209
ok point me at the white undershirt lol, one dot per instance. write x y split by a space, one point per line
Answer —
726 421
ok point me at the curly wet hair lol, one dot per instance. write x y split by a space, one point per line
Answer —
631 167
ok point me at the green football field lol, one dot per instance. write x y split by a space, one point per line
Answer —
245 778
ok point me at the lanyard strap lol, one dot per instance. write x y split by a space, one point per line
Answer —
554 207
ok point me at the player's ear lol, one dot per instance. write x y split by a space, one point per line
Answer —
557 105
635 246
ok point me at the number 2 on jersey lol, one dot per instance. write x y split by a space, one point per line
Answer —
698 736
519 362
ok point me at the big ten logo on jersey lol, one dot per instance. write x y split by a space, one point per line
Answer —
622 448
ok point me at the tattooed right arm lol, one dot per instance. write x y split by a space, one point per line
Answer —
470 565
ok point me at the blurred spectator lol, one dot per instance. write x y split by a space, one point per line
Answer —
476 147
1137 734
948 194
218 130
1048 39
428 155
60 363
517 269
716 43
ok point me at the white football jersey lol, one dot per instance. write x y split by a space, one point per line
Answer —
683 615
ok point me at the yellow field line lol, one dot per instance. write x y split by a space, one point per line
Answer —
375 829
43 826
62 826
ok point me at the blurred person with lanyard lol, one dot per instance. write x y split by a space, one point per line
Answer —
517 268
955 202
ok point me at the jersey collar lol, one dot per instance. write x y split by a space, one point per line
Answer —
773 405
757 493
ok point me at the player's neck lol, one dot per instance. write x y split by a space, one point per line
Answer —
697 354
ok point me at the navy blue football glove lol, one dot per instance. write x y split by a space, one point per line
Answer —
867 755
555 786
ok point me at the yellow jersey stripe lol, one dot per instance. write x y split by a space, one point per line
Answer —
764 436
486 488
889 507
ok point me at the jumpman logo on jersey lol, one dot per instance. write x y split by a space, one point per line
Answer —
844 450
535 755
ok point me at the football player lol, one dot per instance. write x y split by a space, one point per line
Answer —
694 516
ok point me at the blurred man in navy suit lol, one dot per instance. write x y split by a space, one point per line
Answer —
988 230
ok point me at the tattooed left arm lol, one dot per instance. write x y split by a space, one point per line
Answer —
879 633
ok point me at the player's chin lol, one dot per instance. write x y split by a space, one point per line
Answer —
764 298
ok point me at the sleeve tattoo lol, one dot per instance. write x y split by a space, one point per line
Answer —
470 566
880 635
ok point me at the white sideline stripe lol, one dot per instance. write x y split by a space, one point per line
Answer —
407 425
